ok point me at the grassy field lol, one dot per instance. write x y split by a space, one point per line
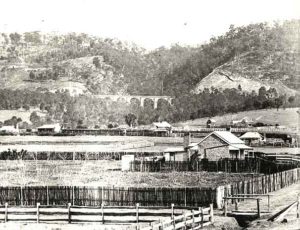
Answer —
285 117
90 143
103 173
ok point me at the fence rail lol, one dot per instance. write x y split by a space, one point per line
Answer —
102 214
191 220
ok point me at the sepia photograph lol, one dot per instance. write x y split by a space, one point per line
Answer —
149 114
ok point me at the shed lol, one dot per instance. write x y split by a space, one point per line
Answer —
49 129
251 137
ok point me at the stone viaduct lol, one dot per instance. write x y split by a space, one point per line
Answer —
141 99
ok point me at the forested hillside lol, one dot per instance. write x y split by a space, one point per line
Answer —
249 67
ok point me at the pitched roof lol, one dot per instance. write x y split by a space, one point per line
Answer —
162 124
226 136
251 135
52 126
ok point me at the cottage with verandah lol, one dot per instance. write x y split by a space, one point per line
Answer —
222 144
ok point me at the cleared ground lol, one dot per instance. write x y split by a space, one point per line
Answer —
284 117
103 173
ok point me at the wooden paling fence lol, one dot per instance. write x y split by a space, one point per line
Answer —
258 185
249 165
102 214
190 220
110 196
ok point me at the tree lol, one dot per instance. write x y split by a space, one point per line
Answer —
291 99
15 38
278 102
26 107
31 75
96 62
130 119
239 87
35 119
262 92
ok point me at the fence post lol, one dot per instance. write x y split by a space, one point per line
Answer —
6 213
211 213
47 195
268 203
38 212
69 213
225 207
102 212
73 195
172 208
258 208
193 216
137 212
298 207
202 217
22 196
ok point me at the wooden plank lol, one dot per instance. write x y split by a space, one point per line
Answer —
279 215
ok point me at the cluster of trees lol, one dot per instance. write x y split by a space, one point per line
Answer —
87 111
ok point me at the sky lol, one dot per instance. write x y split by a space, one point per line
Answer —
148 23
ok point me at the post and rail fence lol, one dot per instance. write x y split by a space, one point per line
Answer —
109 215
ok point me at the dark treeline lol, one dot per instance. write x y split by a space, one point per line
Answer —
92 112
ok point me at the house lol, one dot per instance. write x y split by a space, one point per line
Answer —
9 130
210 123
252 138
49 129
222 144
164 128
162 125
244 122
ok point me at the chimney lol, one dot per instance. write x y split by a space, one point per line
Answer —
186 140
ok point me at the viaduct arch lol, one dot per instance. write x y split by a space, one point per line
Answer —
141 99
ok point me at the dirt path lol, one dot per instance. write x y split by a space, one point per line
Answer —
280 199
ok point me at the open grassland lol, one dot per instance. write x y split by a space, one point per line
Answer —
284 117
103 173
86 139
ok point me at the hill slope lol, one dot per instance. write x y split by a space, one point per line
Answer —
250 71
285 117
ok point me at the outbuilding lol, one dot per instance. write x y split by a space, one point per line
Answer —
252 138
49 129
